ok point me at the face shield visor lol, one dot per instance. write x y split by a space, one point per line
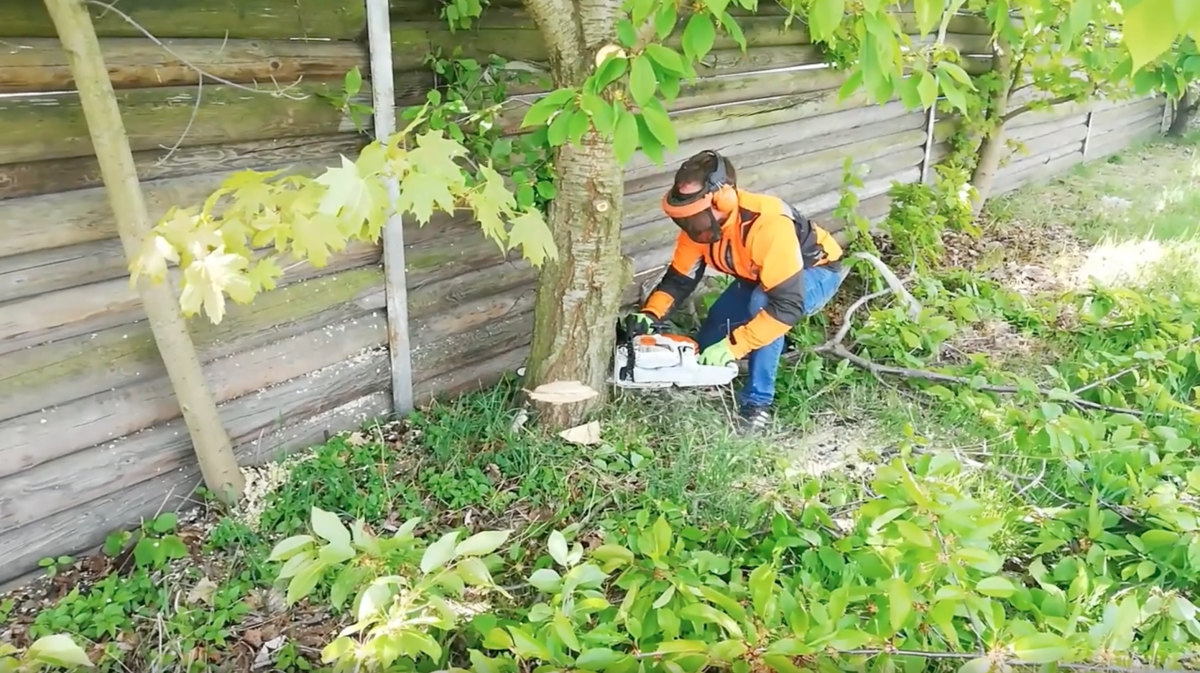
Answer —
693 213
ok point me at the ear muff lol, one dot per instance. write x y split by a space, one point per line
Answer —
724 195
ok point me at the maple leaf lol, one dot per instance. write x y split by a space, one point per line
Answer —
530 231
488 217
345 193
421 192
263 273
434 156
269 228
209 278
313 236
152 260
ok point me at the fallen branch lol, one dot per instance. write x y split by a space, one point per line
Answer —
836 349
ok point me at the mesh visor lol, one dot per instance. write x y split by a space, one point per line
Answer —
693 214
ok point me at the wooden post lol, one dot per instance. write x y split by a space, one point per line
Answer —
218 463
925 168
1166 116
379 35
1087 136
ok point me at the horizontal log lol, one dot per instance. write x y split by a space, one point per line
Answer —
1037 173
52 126
219 19
1032 132
1135 117
66 475
761 144
62 175
41 378
1046 144
1107 144
87 308
247 419
1025 164
39 64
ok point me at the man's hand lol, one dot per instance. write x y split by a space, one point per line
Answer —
717 354
641 322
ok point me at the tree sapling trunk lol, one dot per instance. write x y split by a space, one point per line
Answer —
991 149
1181 114
78 36
579 294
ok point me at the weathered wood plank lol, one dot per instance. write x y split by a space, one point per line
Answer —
88 308
1119 139
252 19
1043 145
44 377
52 126
56 220
1038 172
60 268
247 419
39 64
1051 126
62 175
53 486
1135 117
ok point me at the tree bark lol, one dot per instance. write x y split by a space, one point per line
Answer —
1181 116
78 36
991 148
579 294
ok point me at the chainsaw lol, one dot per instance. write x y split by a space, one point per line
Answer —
662 360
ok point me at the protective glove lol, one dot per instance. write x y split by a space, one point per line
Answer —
717 354
641 322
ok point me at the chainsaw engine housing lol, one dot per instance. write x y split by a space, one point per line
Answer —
664 360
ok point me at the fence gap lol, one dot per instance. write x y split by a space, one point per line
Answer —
383 93
1087 136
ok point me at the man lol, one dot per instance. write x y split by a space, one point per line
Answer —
784 267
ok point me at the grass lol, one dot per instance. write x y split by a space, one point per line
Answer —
198 594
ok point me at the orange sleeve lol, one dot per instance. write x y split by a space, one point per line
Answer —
775 250
680 280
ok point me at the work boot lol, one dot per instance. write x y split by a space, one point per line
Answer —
755 417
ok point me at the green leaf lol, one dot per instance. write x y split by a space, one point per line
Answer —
642 82
559 129
439 553
996 587
899 602
353 82
603 117
1041 648
626 33
546 580
698 37
928 14
625 135
700 612
953 94
849 639
539 113
659 123
928 89
662 532
547 190
597 658
824 17
730 24
527 646
954 70
1149 30
852 83
668 59
665 20
611 70
304 581
484 543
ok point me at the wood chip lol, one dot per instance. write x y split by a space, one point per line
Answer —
563 392
587 434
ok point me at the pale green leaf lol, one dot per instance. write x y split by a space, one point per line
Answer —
996 587
928 89
439 553
1041 648
730 24
954 70
700 612
530 232
598 658
824 17
481 544
1150 29
929 12
976 665
330 527
58 650
288 547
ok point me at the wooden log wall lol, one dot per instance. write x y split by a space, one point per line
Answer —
90 434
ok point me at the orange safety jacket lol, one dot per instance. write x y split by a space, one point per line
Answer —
766 241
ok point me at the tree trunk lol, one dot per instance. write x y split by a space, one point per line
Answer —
1181 115
991 149
579 294
78 36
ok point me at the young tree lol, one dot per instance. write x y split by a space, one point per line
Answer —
1174 74
1046 53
